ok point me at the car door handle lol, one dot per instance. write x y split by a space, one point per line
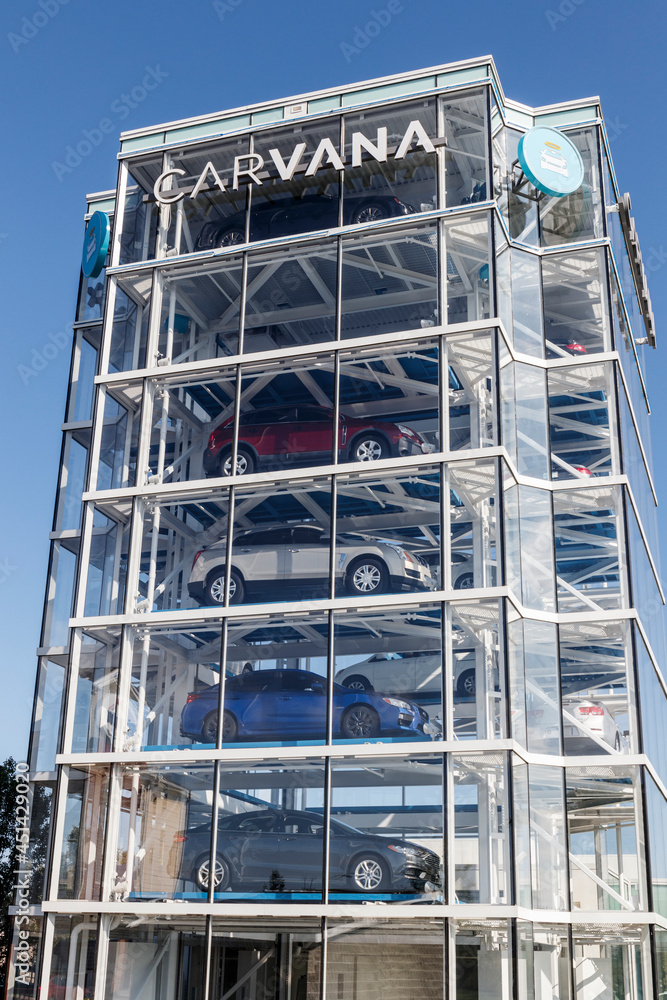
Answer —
294 550
244 550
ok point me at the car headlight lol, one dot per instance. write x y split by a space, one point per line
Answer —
397 703
401 849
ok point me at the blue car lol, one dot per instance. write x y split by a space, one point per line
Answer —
292 703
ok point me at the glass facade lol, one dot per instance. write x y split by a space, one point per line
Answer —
338 372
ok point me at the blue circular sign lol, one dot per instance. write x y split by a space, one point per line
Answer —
551 161
95 244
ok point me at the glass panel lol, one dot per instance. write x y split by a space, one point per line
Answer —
82 386
576 319
389 282
604 856
157 961
46 722
60 592
467 244
660 939
482 960
301 190
96 692
387 534
182 544
271 961
402 674
587 526
41 820
481 830
276 681
581 413
576 216
91 298
472 520
73 957
173 697
130 323
199 316
376 189
594 661
165 819
466 156
386 832
402 957
536 703
543 966
470 416
521 829
286 418
73 474
389 402
291 299
140 218
653 702
270 837
608 962
521 204
548 849
117 466
23 971
107 564
83 834
656 816
478 699
532 430
645 594
536 547
526 304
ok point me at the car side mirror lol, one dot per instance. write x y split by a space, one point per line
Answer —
317 688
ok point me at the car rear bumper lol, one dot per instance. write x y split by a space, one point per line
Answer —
196 592
211 463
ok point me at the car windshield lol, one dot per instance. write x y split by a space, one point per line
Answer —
337 826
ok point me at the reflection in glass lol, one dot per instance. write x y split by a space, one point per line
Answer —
468 252
83 835
399 956
478 699
481 835
482 960
466 151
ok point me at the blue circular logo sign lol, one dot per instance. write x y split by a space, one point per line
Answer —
95 244
551 161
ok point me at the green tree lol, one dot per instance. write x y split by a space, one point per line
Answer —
8 856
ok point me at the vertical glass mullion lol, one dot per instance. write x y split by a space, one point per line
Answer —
124 684
119 214
326 833
208 986
224 639
235 425
336 408
443 395
324 931
81 574
332 537
69 699
242 300
339 287
331 663
228 549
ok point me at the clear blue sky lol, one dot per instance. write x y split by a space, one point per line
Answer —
84 55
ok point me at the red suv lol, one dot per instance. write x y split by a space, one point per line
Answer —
279 435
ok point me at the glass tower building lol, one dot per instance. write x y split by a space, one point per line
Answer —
351 674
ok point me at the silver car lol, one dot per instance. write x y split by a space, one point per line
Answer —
268 563
416 673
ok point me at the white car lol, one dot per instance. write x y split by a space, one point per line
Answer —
582 716
271 563
409 673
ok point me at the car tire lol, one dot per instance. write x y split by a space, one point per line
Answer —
360 722
357 683
367 576
214 590
209 729
245 463
369 874
466 685
230 238
202 869
368 448
369 213
465 582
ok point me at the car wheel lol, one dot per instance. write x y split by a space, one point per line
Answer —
466 685
360 721
367 576
369 448
202 873
465 582
245 463
209 729
369 874
369 213
230 238
357 683
214 591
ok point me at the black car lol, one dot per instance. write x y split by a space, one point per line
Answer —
268 850
298 215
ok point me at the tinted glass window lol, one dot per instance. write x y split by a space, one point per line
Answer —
272 536
313 414
262 680
307 536
300 680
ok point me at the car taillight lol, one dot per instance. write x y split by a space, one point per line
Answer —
197 555
193 696
590 710
179 838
